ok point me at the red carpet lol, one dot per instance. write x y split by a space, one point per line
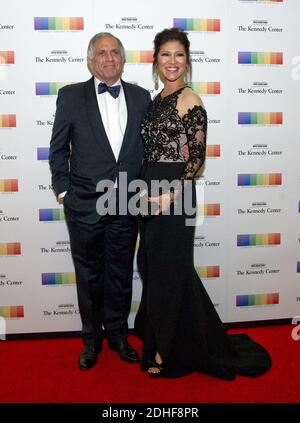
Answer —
46 371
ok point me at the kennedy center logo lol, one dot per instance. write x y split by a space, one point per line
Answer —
10 248
8 121
42 153
49 88
258 240
257 299
208 272
51 215
64 278
9 185
138 56
206 88
199 25
260 58
260 118
259 179
213 150
58 24
209 210
7 57
12 312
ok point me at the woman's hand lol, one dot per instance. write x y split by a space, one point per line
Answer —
162 201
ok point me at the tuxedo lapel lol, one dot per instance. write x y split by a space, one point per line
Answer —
95 118
130 117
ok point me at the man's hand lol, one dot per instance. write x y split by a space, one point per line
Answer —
60 197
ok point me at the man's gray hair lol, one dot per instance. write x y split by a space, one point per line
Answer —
90 50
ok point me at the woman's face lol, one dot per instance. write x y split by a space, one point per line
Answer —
172 61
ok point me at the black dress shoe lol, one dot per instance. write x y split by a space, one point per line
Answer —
125 350
88 357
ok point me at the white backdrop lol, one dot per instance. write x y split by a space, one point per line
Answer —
246 67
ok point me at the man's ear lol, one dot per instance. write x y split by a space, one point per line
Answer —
88 63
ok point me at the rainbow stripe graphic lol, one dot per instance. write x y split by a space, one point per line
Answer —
9 185
139 56
298 266
252 240
203 25
8 121
260 58
58 24
206 272
257 299
256 179
50 215
43 153
213 150
209 209
49 88
11 312
206 87
7 57
260 118
65 278
10 248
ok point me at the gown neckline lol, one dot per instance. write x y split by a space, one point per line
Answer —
174 92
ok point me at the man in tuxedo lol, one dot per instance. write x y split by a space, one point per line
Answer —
96 135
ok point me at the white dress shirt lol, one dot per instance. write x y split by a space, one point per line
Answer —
114 116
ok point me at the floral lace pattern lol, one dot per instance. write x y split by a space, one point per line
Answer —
170 138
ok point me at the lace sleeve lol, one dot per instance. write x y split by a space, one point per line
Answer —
195 124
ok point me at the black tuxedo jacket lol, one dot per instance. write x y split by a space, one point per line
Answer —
80 153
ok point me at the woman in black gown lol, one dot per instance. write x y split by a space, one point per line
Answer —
179 326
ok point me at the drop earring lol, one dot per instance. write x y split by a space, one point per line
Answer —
188 75
155 80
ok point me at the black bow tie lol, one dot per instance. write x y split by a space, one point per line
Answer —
113 91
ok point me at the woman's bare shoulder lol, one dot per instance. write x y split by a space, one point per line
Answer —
188 99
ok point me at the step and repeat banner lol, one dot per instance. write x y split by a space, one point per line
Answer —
246 68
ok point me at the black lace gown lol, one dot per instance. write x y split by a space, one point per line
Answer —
176 316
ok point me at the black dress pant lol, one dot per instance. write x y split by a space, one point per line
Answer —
103 255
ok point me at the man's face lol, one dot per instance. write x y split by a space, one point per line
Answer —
107 63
